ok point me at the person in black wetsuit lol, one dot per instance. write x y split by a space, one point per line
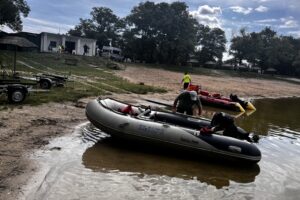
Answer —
186 100
223 121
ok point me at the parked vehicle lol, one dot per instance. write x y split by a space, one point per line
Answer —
113 53
46 81
16 87
16 93
13 87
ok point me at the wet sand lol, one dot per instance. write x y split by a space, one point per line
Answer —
24 128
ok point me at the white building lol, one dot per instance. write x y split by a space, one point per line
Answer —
50 42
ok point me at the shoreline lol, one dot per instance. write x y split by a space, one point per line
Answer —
25 129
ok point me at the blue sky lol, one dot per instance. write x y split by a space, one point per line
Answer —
58 16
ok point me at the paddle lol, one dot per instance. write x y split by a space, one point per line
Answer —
159 103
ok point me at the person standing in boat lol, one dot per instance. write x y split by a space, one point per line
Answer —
186 102
186 80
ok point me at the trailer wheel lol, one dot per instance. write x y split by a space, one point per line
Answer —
45 84
16 96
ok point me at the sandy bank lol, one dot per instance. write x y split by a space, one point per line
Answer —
244 87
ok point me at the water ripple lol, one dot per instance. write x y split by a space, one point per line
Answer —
92 134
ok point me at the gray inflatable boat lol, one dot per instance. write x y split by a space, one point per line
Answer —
166 129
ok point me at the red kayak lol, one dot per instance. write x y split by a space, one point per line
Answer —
217 100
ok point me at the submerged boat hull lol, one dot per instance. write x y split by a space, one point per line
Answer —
164 134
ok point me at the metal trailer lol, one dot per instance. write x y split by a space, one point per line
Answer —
46 81
16 93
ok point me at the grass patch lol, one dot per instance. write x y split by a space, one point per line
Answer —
86 80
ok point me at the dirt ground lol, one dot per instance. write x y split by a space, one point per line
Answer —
243 87
25 128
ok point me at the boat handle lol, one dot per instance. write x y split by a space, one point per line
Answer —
123 125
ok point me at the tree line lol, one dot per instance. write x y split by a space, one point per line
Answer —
166 33
162 33
266 49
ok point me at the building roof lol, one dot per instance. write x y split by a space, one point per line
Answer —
242 66
255 68
227 65
17 41
193 60
111 48
271 69
68 36
210 63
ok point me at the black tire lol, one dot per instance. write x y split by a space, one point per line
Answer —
16 96
45 84
60 85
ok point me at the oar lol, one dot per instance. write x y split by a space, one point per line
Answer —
159 103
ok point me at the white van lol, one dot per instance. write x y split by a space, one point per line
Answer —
113 53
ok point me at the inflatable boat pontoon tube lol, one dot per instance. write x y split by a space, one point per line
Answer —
164 128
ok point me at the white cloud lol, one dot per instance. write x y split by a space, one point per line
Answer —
227 56
239 9
294 33
208 20
261 9
6 29
266 20
207 15
207 10
288 22
263 1
37 26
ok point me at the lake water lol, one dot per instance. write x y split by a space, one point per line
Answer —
91 166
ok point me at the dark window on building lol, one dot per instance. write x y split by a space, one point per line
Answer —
52 44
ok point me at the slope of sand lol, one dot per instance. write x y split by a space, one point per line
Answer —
244 87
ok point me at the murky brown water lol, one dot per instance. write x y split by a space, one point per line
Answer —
84 169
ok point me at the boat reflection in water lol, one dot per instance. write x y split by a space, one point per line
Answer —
110 155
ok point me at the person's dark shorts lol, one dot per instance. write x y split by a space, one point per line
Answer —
185 85
189 111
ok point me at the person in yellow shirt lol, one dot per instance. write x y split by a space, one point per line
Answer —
186 80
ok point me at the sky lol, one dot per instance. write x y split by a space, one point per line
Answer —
283 16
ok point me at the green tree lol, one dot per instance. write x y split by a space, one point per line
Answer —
212 44
239 47
104 26
266 55
161 32
266 49
296 64
285 53
11 12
